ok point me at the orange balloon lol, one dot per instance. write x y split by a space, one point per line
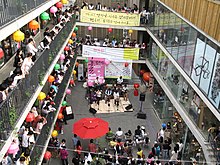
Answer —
51 79
74 35
77 64
146 76
60 116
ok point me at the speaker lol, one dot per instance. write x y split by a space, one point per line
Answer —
141 115
142 97
129 107
92 110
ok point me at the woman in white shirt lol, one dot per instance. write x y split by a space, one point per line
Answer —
27 64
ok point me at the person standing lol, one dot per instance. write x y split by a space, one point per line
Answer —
64 155
75 140
116 98
119 81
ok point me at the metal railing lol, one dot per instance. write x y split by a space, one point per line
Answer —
45 132
12 108
13 9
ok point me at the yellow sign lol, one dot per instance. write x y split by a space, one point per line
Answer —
110 18
131 53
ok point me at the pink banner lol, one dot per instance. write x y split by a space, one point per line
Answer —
96 68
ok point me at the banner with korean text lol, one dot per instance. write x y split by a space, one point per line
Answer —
110 18
110 53
96 68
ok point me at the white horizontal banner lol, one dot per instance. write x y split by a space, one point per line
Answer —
110 53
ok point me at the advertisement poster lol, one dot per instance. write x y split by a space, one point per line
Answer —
117 68
96 68
110 18
214 92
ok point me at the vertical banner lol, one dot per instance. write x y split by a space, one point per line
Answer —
80 72
96 68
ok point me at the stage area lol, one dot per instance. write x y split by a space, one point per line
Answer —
110 108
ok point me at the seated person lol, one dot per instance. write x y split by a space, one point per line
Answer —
128 135
110 133
119 133
138 131
113 143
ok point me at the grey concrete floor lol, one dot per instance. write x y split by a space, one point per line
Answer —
125 120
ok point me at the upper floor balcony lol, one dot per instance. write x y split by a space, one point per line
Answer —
19 100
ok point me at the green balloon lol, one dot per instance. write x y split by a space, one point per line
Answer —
86 60
76 29
45 16
64 103
57 67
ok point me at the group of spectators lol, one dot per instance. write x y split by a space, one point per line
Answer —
121 149
40 110
117 8
27 55
113 43
146 14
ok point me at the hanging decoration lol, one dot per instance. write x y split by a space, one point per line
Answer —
90 28
136 85
74 72
45 16
68 91
1 53
33 25
126 64
30 117
64 103
57 67
41 96
54 133
110 30
146 76
86 60
70 41
66 48
76 29
51 79
73 35
60 116
62 57
53 9
130 31
18 36
59 5
47 155
64 1
77 64
107 62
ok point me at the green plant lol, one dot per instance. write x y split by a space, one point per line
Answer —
12 116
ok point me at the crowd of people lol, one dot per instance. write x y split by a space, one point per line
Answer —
146 14
41 108
122 148
26 56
